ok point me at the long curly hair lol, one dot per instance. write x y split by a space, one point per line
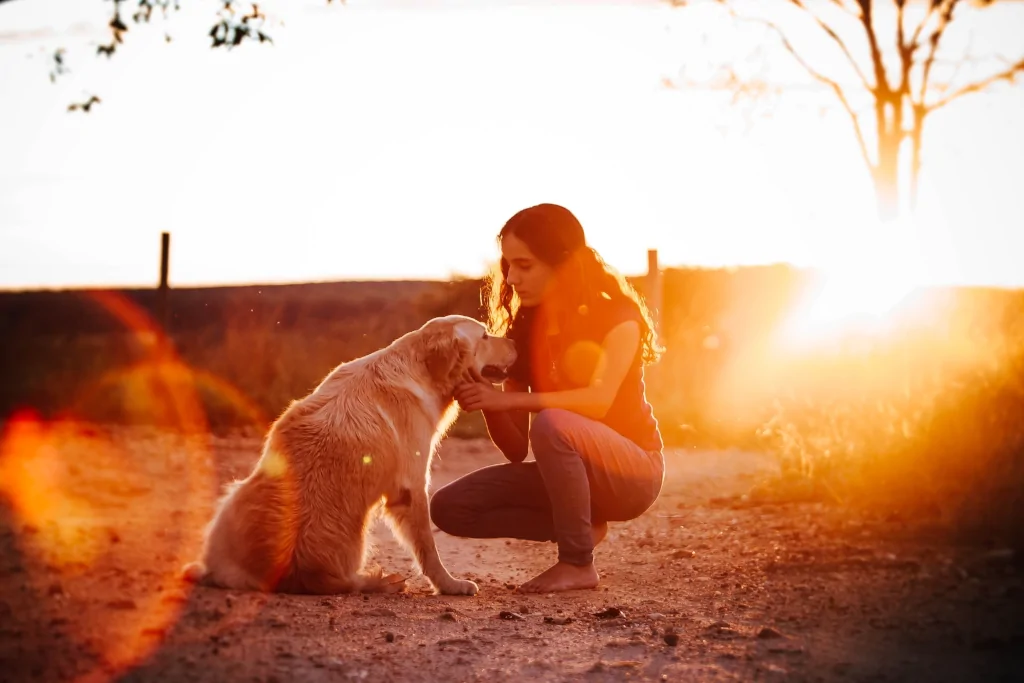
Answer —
555 236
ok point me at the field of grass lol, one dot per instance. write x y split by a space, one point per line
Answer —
924 421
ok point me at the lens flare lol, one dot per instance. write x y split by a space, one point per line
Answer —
121 504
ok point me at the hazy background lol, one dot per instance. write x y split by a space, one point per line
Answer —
386 139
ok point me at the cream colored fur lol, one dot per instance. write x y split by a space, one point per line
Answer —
359 444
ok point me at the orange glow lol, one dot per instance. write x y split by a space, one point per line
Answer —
97 501
862 295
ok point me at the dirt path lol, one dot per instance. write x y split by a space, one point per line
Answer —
696 589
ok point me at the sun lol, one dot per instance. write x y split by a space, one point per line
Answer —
863 294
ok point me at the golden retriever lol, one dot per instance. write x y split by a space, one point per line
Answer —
360 443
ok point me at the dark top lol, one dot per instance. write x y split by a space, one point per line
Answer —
567 360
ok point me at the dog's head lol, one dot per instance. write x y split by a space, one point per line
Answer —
455 343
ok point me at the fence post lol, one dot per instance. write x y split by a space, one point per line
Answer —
652 289
165 257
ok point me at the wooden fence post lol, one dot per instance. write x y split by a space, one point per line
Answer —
162 291
652 290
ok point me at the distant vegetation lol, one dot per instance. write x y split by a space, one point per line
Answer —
926 421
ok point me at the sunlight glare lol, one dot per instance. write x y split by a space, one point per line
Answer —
861 293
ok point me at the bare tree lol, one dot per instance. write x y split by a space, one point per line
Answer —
894 67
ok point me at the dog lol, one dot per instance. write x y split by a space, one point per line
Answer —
359 444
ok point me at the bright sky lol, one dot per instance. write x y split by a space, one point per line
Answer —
388 139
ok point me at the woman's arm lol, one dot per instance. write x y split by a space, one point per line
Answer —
510 429
618 351
594 400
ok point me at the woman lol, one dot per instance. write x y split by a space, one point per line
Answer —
583 337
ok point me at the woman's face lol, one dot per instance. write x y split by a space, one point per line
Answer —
530 277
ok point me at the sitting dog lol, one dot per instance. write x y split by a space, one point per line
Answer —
360 443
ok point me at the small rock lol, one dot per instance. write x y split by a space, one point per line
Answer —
510 616
645 543
327 602
671 639
447 616
510 586
610 613
655 616
768 633
683 555
277 622
389 637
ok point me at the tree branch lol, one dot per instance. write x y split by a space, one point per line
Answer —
1008 74
945 9
916 37
816 75
905 51
835 38
841 4
881 82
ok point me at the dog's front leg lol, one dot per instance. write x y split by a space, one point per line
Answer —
410 519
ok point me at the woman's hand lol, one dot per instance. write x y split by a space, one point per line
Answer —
476 393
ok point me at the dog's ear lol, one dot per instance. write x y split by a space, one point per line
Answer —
445 353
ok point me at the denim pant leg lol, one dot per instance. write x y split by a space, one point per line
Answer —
499 501
588 466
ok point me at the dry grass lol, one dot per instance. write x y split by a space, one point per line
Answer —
926 421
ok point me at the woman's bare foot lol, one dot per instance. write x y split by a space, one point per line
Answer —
563 577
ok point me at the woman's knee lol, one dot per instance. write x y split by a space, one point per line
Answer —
551 427
446 509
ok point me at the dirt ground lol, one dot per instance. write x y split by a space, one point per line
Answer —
706 586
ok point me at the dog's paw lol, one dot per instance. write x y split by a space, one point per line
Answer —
393 583
458 587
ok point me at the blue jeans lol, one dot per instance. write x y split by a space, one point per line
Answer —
583 473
